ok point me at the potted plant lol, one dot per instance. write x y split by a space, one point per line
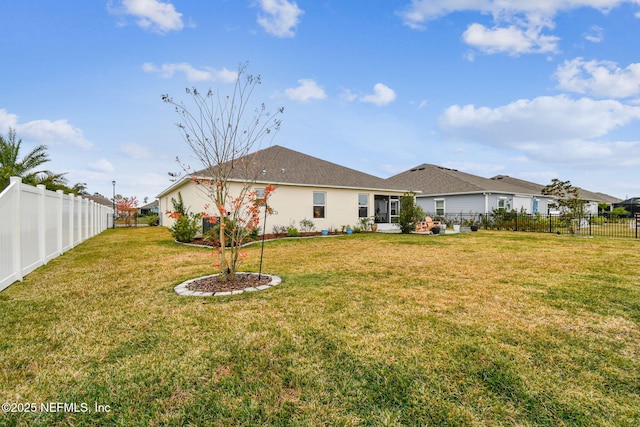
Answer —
457 221
474 223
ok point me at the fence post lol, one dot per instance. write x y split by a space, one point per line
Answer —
42 228
17 228
72 209
60 222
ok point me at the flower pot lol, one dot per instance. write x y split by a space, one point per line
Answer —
474 228
374 228
435 230
456 228
349 231
325 232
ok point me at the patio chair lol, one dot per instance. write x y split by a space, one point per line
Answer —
427 225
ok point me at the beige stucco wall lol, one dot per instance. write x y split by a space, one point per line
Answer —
290 203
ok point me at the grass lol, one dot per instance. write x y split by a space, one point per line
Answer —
488 328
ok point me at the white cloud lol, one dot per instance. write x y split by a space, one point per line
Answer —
102 165
54 132
192 74
518 24
58 132
595 34
307 89
347 95
551 129
7 120
382 95
279 17
512 39
151 15
135 151
599 78
419 12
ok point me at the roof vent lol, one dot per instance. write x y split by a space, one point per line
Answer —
282 170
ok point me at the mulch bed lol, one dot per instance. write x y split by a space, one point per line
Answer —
199 241
241 281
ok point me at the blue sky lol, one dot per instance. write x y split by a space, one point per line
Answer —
534 90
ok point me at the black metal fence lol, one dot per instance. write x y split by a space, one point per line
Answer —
585 225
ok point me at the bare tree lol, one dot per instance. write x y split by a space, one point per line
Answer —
222 132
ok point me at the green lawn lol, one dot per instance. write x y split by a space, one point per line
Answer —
484 329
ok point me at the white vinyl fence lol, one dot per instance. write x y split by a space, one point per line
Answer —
37 225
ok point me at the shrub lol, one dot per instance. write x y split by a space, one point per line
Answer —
153 220
186 227
213 234
279 229
307 225
292 232
409 214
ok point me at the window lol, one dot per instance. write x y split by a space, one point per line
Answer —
363 205
439 206
260 196
502 203
319 204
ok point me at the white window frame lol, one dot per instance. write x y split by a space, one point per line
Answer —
365 205
435 207
323 205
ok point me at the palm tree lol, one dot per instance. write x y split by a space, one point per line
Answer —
11 165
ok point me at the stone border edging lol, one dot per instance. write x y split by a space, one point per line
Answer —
182 290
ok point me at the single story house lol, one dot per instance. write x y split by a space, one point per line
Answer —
309 188
444 191
631 205
100 199
149 208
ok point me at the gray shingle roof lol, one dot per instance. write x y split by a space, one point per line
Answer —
585 194
100 199
436 180
433 179
279 165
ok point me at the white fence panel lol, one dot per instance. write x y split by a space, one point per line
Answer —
9 239
28 226
37 225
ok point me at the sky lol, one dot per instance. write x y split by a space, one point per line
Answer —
531 89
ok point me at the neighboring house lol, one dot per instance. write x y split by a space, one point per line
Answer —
444 191
149 208
631 205
328 194
100 199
